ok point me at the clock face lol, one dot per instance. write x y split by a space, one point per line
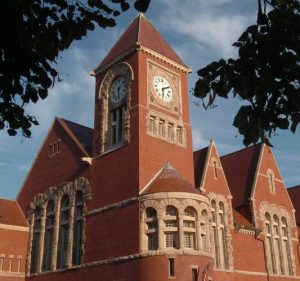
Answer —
118 89
162 88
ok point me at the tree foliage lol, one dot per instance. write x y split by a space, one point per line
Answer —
33 35
266 74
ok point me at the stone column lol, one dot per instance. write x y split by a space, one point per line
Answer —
199 245
180 230
29 247
41 240
160 223
71 228
55 232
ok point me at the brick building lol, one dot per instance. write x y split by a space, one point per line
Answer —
130 201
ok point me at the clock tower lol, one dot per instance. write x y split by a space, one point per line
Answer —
141 108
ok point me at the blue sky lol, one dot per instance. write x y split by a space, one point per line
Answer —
199 31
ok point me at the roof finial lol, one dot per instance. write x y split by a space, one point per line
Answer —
168 166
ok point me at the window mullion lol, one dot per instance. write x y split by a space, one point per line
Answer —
55 235
71 229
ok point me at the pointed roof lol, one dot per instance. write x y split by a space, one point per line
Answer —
10 213
81 135
240 168
169 180
140 32
294 193
199 164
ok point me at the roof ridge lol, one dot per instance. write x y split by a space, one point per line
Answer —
8 199
291 187
237 151
64 119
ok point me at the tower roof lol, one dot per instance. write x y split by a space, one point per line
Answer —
140 32
169 180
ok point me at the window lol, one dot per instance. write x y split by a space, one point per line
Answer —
35 248
152 230
278 245
204 231
171 268
62 248
194 274
19 264
179 134
78 229
161 128
170 131
48 240
215 164
1 263
56 209
189 228
54 148
271 179
219 234
152 124
11 260
117 124
171 227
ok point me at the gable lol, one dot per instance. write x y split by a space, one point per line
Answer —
58 160
213 177
268 185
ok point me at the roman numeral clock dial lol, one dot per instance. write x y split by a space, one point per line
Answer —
162 88
118 89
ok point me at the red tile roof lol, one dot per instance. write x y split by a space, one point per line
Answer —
83 134
294 193
242 215
10 213
141 32
239 168
199 164
169 180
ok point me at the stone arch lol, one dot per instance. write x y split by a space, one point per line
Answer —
151 204
171 202
126 71
190 203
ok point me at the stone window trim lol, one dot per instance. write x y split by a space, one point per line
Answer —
216 166
221 237
164 127
106 106
40 201
271 181
268 215
54 148
160 206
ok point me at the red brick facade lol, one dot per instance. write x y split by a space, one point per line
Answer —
130 200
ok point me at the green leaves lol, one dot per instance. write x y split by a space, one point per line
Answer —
34 33
265 76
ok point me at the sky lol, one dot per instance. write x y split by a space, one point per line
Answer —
199 31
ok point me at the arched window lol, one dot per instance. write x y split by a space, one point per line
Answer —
215 233
62 247
219 234
171 227
78 229
35 248
278 247
48 239
151 229
204 230
286 247
223 240
189 228
270 246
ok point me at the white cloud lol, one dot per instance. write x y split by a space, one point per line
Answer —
198 140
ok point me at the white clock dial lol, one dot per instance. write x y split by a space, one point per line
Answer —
162 88
118 89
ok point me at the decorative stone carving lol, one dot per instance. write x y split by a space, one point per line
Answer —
41 200
120 69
